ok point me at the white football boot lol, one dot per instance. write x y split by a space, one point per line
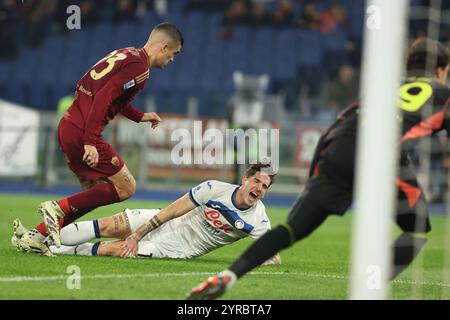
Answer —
28 244
50 213
18 231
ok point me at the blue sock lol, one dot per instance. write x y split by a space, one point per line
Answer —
96 228
95 248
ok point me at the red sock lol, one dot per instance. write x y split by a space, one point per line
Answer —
81 203
41 227
65 206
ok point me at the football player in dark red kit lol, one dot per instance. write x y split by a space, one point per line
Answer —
106 90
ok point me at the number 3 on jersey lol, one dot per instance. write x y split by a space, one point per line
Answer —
111 61
414 95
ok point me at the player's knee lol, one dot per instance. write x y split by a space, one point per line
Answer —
130 189
126 190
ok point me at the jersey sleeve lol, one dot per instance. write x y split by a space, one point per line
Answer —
202 193
262 225
132 113
125 79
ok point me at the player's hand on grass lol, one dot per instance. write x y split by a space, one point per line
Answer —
90 155
153 118
130 247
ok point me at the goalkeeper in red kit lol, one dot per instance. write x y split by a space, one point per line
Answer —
106 90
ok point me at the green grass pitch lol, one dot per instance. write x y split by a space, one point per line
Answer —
315 268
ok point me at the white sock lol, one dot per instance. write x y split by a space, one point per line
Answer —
84 249
79 232
232 275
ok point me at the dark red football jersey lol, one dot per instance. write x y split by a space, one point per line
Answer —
107 89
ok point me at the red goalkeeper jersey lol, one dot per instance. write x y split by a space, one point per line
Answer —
107 89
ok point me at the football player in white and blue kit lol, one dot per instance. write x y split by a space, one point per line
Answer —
209 216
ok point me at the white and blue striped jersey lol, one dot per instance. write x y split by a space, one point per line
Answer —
216 221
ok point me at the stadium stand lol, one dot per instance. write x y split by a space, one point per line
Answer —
293 54
39 76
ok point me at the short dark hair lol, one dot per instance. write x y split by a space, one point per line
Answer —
424 51
257 167
171 30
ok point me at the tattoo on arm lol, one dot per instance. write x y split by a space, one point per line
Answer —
127 221
116 223
152 224
121 223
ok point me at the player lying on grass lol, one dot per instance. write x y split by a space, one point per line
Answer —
424 102
209 216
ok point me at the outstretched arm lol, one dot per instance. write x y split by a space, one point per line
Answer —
136 115
178 208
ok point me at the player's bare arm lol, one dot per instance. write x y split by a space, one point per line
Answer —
178 208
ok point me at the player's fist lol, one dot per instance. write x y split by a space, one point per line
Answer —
90 155
153 118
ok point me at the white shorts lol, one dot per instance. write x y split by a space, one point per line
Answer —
160 243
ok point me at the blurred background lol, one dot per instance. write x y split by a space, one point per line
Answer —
292 65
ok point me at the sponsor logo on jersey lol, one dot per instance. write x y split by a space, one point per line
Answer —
214 217
230 215
129 84
83 90
210 228
265 221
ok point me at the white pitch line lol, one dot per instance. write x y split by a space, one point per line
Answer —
102 276
192 274
398 281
